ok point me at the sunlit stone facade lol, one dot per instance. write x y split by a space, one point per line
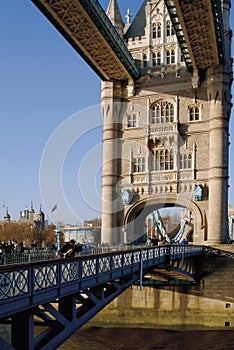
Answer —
165 138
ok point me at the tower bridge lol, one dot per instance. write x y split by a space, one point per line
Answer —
166 104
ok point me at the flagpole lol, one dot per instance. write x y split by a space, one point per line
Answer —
58 236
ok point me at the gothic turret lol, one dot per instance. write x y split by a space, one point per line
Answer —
40 220
31 213
40 216
113 12
7 217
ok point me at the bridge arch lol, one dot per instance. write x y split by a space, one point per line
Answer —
134 219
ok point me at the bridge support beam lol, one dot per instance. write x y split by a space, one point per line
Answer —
22 331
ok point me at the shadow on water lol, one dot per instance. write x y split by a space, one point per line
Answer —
98 338
116 338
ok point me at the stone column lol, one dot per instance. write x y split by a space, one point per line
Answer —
218 167
110 101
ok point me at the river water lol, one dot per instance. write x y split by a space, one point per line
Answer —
97 338
117 338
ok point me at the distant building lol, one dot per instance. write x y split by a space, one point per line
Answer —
28 216
89 233
40 222
97 222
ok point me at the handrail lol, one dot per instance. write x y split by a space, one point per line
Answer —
24 286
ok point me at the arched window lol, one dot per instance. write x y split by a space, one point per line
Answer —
169 163
157 32
162 112
194 113
169 29
154 33
162 160
131 120
139 165
170 56
186 161
145 62
156 59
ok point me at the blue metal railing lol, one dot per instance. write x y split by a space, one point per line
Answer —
24 286
26 257
41 254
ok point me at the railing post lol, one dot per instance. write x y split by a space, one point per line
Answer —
31 279
141 268
59 273
168 256
97 266
111 264
80 275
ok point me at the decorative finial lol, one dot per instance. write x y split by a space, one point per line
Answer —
128 16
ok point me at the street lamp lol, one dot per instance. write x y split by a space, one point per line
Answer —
57 234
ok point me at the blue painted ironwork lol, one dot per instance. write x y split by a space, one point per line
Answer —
27 257
179 33
183 42
65 293
218 24
105 27
160 227
180 233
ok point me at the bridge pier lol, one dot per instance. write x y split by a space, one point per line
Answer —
208 304
111 105
218 168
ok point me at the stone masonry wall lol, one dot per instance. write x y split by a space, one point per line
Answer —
207 304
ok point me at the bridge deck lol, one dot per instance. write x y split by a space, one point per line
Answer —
80 287
198 26
87 28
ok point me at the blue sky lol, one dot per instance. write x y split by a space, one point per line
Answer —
44 82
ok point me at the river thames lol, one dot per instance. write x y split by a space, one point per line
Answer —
117 338
98 338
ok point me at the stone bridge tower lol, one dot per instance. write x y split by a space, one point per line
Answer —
165 138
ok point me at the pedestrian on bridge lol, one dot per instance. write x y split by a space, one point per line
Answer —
69 249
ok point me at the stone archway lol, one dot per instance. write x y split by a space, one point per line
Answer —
134 219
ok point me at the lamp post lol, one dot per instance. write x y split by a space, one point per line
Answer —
57 233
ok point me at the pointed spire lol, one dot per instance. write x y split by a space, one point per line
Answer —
32 210
7 216
113 12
